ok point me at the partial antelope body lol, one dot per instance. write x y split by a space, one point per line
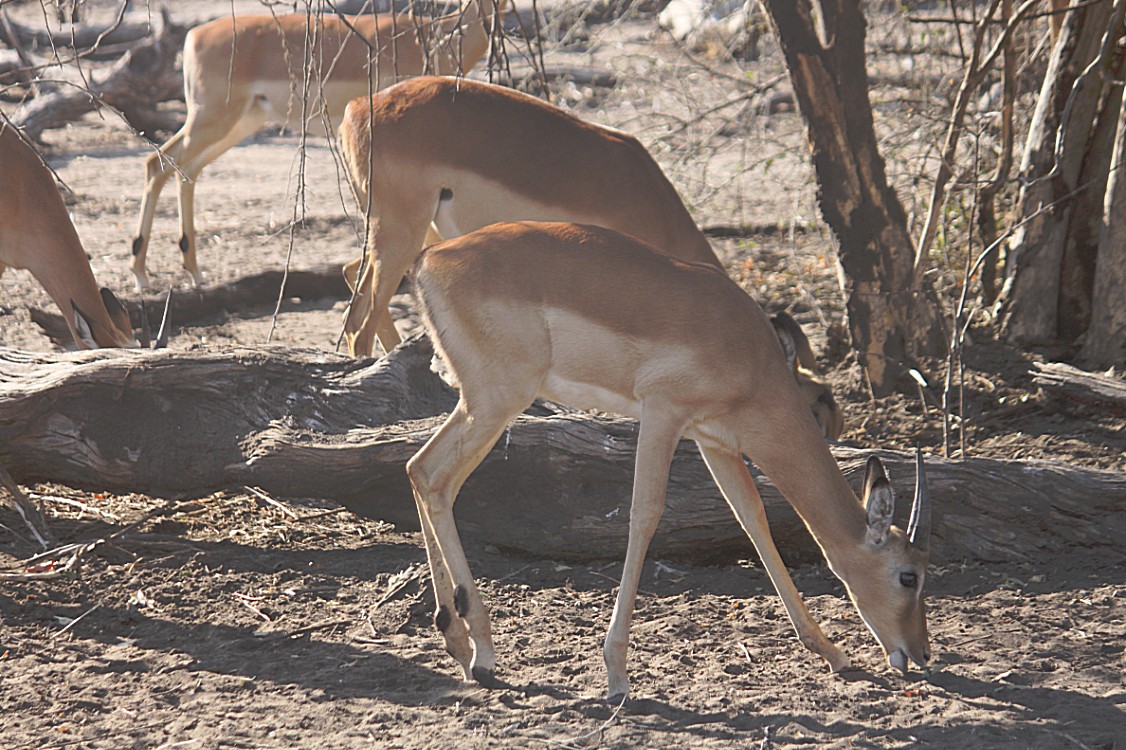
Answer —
596 319
241 72
434 158
36 233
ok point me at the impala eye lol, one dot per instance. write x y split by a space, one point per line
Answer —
910 580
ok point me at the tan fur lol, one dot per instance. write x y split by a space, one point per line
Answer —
243 71
499 155
601 320
36 233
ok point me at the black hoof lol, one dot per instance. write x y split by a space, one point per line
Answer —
486 678
616 700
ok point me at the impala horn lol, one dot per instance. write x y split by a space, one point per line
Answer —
919 527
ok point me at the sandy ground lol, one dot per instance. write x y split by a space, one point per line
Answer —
235 623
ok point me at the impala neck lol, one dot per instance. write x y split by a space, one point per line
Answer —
805 472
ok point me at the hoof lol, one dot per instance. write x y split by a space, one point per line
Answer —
486 678
617 699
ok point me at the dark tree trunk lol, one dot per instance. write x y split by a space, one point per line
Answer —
893 317
557 484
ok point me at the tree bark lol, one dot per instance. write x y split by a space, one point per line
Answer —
893 317
1105 344
1053 177
1103 392
557 484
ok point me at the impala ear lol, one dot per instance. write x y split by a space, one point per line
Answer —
786 339
879 501
117 313
84 326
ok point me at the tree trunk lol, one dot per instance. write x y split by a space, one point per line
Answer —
893 318
1053 178
557 484
1105 344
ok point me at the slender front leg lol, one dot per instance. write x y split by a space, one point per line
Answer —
656 444
737 485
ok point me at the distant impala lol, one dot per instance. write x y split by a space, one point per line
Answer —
243 71
36 233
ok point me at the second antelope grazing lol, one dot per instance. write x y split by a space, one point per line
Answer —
36 233
299 70
596 319
434 158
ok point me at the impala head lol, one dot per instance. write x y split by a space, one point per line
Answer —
799 355
890 569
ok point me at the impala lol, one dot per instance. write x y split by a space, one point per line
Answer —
592 318
241 72
433 158
36 233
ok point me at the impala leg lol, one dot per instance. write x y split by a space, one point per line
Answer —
391 247
436 473
738 487
656 444
158 168
446 620
201 147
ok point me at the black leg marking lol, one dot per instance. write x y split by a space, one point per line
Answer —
183 243
442 619
461 600
137 242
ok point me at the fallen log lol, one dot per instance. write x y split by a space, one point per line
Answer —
300 423
194 306
133 85
1073 385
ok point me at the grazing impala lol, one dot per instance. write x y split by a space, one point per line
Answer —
593 318
434 158
36 233
241 72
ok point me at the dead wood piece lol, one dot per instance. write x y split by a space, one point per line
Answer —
143 77
299 423
132 28
191 307
1089 388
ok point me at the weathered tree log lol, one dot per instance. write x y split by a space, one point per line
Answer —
143 77
194 306
312 424
1088 388
133 28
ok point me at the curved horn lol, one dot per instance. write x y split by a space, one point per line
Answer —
919 527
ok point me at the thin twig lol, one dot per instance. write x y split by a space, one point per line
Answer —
76 620
32 518
261 495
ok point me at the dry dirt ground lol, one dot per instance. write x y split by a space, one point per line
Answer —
229 621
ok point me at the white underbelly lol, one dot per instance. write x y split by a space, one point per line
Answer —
580 395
